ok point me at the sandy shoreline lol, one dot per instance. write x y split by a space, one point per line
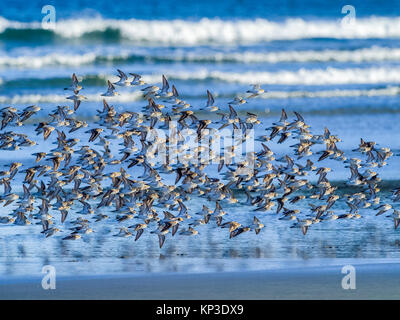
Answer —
373 281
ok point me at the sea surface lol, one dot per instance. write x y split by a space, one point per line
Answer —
340 74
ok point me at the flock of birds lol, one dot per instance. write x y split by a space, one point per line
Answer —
89 179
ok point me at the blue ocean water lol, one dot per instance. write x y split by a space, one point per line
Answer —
179 9
339 75
300 51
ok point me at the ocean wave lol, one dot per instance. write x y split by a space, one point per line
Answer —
326 76
57 98
137 95
47 60
389 91
323 76
188 32
374 54
306 77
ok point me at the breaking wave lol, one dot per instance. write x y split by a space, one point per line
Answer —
188 32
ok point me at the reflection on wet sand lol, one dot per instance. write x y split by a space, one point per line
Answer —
24 253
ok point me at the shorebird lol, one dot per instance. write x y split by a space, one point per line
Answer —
232 225
161 234
51 231
383 208
256 225
28 112
150 91
108 172
77 99
110 90
6 220
75 86
256 91
123 79
303 224
210 103
238 231
238 100
396 218
72 237
136 81
123 233
139 228
189 232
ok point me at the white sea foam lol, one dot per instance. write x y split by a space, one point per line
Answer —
323 76
221 31
137 95
389 91
318 76
360 55
57 98
302 76
47 60
373 54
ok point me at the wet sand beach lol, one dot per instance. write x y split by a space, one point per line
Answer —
373 281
